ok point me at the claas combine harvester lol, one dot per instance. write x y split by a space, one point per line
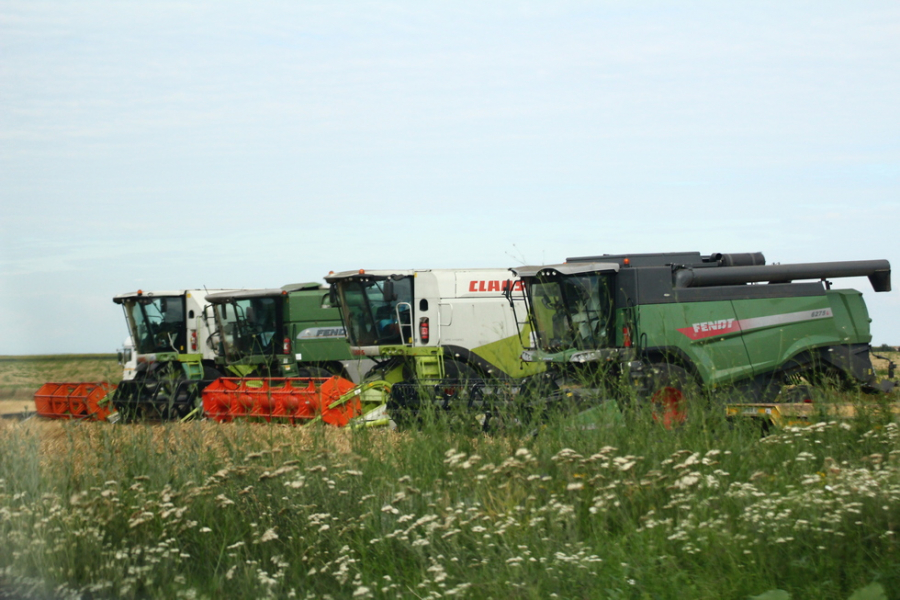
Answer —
760 337
173 335
446 336
284 342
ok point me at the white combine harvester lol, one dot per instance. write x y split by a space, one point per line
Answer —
447 335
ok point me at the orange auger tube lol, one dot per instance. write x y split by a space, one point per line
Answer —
74 401
279 399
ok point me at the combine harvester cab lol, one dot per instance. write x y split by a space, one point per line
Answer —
286 354
175 341
447 336
664 324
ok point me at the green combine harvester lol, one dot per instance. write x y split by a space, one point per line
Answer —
291 331
286 356
729 324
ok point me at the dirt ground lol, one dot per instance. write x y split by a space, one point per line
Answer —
8 407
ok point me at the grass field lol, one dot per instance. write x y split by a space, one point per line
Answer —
21 376
625 509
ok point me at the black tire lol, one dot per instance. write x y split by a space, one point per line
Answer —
669 392
164 393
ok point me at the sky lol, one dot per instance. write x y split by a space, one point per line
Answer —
171 145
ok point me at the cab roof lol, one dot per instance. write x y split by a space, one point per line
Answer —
159 293
222 297
565 269
398 273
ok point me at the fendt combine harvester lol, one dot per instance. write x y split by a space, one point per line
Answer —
665 324
286 355
447 336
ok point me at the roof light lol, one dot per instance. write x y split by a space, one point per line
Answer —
362 271
140 292
626 262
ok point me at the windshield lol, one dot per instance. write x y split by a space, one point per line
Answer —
377 312
157 323
572 311
250 326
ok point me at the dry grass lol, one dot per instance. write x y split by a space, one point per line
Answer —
20 377
881 364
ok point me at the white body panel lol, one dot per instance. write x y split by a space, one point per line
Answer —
465 307
128 359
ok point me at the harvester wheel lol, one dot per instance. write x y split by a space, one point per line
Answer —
670 388
164 393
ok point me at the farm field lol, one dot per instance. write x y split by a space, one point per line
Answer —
623 509
21 376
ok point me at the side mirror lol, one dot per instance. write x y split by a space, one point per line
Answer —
507 291
333 298
163 304
387 291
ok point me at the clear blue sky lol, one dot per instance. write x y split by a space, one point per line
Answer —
185 144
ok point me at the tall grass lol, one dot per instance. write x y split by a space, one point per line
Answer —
620 509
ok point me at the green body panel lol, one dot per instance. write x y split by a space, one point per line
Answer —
507 355
771 345
315 328
771 331
854 325
241 370
429 361
718 360
192 365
